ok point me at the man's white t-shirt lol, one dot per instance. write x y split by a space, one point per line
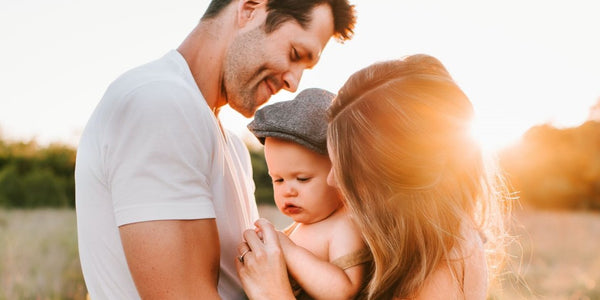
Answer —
153 150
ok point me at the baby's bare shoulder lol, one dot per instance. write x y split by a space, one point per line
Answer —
345 238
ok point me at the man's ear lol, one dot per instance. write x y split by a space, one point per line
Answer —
248 10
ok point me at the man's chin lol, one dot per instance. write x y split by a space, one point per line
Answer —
248 108
254 108
247 112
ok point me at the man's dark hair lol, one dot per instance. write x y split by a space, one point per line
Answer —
214 8
280 11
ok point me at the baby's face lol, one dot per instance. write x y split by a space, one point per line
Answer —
300 181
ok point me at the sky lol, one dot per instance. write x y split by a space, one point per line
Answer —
521 62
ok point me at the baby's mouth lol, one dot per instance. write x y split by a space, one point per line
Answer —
291 209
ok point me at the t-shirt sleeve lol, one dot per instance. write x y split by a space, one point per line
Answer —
158 156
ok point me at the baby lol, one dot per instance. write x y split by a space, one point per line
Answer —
324 251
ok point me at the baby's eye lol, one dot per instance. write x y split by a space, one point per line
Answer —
302 179
278 180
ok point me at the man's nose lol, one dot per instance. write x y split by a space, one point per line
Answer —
291 79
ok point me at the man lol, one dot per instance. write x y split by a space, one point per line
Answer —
163 193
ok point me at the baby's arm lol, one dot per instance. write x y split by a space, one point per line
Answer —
322 279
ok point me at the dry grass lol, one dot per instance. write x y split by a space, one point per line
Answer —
556 255
38 255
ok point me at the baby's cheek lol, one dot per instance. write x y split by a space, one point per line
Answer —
277 195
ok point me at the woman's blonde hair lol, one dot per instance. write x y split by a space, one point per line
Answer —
403 157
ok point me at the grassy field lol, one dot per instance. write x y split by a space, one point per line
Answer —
556 255
38 255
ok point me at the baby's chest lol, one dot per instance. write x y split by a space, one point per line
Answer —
317 243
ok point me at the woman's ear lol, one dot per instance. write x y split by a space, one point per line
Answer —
249 10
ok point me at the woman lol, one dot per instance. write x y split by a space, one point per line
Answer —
415 183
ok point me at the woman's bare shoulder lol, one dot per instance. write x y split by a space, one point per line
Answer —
444 284
476 271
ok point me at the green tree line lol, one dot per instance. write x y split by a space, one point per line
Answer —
548 168
34 176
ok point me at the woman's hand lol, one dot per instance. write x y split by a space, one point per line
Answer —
261 265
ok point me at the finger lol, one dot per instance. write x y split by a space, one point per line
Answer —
243 257
258 232
269 234
239 266
242 247
253 240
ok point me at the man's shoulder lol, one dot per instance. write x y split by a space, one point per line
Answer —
162 84
165 69
160 92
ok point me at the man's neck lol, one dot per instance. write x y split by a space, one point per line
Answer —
204 51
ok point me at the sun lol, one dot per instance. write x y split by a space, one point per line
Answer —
495 134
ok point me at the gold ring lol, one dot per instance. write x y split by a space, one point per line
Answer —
241 257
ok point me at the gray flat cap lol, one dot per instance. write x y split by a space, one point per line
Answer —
302 120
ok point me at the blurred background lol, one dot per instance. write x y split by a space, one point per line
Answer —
530 67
